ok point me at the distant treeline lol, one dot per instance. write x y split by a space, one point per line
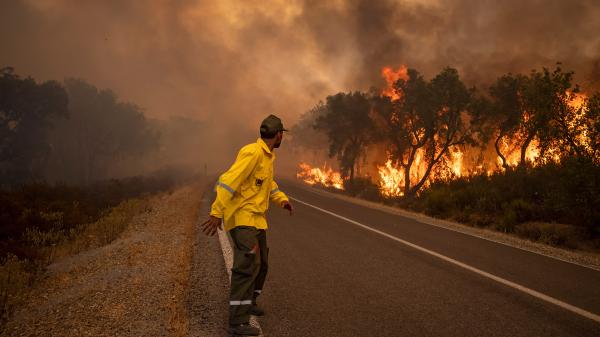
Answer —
73 132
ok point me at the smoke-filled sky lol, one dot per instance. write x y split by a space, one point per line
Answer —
230 63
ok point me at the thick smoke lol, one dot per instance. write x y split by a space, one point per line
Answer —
230 63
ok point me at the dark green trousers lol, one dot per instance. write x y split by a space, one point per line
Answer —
250 266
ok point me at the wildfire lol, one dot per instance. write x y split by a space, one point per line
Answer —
512 152
577 100
325 176
392 177
457 162
391 180
578 103
391 76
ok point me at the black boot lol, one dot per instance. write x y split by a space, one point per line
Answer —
255 310
244 329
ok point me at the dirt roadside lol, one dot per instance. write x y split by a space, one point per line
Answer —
140 284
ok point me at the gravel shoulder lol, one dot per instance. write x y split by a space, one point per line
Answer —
157 279
208 293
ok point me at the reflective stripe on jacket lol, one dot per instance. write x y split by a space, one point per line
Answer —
244 191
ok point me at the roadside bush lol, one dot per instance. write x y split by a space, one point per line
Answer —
552 234
362 187
33 215
565 196
516 211
437 203
15 278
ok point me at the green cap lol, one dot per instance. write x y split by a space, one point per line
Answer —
271 125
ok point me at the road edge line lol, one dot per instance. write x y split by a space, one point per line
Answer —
431 221
498 279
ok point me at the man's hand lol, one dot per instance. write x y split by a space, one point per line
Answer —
288 206
209 227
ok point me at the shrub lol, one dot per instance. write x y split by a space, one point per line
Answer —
550 233
362 187
437 202
566 193
15 278
28 211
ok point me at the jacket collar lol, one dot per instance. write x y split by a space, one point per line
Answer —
264 146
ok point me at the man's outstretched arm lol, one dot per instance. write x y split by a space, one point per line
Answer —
279 198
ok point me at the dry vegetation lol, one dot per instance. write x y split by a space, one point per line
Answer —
133 286
43 223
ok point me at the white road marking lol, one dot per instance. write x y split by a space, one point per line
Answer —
228 257
424 219
498 279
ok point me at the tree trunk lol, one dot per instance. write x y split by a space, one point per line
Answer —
524 148
496 145
430 165
407 180
409 162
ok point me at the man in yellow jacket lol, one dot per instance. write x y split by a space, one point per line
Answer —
243 195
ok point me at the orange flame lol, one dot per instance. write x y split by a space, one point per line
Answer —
391 177
512 151
577 100
325 176
458 162
391 180
391 76
578 103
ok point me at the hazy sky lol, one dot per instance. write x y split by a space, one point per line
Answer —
230 63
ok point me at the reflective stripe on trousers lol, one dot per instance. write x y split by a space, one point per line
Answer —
245 302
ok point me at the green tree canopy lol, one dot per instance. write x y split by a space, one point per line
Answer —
27 109
349 128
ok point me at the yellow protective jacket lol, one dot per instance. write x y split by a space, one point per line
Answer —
244 191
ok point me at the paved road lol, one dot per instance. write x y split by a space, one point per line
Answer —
329 277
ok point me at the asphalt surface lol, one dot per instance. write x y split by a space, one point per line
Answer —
328 277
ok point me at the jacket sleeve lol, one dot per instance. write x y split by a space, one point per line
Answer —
230 181
276 195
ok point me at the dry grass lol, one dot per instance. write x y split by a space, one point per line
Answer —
17 276
134 286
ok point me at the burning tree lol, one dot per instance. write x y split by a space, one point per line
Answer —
502 116
591 127
575 127
429 130
422 122
533 117
348 127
